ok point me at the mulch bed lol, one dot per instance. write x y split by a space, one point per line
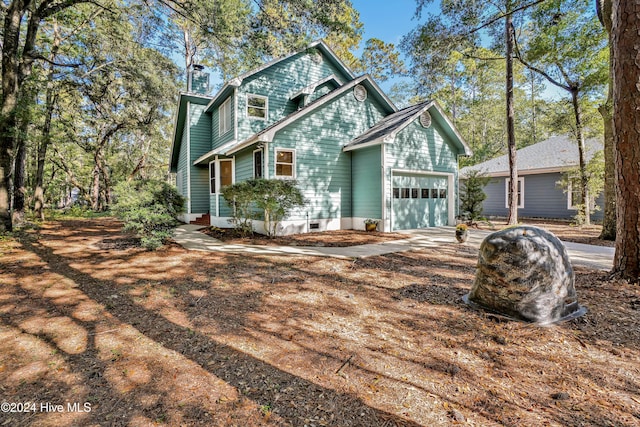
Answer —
338 238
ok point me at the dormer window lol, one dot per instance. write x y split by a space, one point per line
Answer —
257 106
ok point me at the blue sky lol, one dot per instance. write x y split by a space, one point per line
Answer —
386 20
389 21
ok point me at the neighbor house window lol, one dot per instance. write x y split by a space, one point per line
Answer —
257 106
520 192
221 173
574 194
285 163
224 116
257 164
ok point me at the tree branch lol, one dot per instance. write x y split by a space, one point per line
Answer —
544 74
503 15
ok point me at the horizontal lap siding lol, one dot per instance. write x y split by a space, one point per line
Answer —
183 164
417 148
366 176
199 129
323 170
217 139
494 204
420 149
278 83
543 198
244 165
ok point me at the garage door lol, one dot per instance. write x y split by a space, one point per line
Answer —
419 201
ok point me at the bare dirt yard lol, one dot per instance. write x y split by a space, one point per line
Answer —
120 336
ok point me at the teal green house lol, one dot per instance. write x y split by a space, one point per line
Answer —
307 117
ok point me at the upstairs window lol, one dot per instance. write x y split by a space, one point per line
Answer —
224 113
257 107
285 163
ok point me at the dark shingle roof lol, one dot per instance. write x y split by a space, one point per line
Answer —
557 152
389 124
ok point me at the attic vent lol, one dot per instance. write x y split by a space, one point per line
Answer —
360 93
425 119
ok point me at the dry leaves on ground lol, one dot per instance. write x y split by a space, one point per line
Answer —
174 337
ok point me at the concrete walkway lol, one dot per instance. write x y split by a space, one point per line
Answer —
189 237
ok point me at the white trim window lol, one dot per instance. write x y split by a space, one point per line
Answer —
212 177
221 174
574 193
257 106
224 117
285 163
507 187
258 163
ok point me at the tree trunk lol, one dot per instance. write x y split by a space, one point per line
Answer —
511 133
534 116
606 110
95 189
10 91
626 126
19 176
609 220
50 101
585 208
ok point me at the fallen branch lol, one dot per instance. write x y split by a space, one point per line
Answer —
346 362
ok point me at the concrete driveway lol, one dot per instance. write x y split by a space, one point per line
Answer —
598 257
188 236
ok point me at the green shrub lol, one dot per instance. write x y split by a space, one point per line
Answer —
148 208
472 195
274 198
241 197
277 198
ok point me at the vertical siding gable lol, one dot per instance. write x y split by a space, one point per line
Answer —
278 83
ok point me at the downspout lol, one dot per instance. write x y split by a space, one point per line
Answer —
265 154
217 175
188 160
384 191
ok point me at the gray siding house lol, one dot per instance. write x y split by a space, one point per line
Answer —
540 168
307 117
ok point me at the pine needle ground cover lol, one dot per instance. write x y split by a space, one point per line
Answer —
173 337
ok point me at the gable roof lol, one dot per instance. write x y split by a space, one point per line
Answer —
267 134
387 128
556 154
319 44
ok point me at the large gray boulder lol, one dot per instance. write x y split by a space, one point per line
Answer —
524 272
